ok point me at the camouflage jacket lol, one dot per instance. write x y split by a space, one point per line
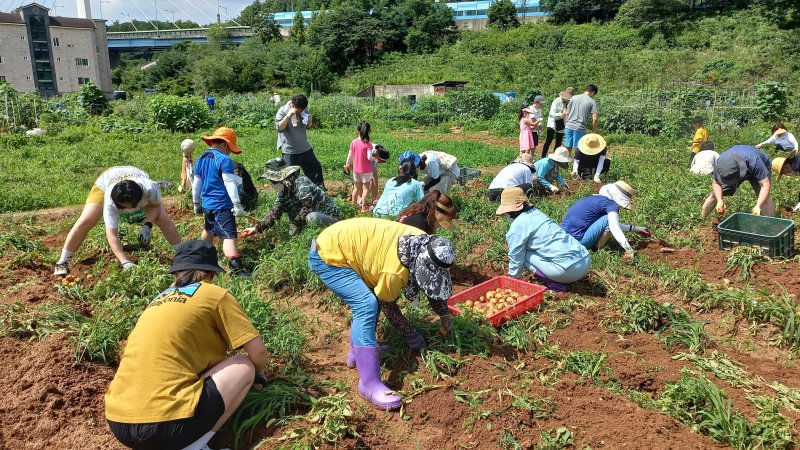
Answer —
304 198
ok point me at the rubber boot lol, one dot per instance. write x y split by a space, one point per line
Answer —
237 268
370 386
351 357
552 286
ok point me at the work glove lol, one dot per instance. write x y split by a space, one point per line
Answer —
293 229
127 265
553 188
415 340
756 210
597 179
198 209
237 209
642 231
629 255
446 325
720 208
144 234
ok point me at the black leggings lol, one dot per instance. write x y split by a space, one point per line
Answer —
308 162
551 133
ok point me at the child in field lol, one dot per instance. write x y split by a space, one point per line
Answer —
187 165
361 156
379 156
526 125
536 116
700 136
215 193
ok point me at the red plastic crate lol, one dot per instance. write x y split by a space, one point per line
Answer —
533 297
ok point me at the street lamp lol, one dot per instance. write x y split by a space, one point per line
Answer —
101 8
173 15
130 20
155 6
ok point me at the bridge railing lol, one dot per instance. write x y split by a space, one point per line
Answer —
176 33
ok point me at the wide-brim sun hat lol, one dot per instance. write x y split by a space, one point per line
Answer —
591 144
777 167
431 269
444 215
276 170
195 255
226 134
567 93
619 192
729 171
512 200
525 158
381 155
527 110
560 155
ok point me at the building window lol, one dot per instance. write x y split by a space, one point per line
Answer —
70 45
82 80
2 78
28 77
55 42
1 60
25 58
22 37
58 59
81 62
60 78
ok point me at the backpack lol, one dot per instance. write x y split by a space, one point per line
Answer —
248 193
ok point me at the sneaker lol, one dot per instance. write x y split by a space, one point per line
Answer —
237 268
61 270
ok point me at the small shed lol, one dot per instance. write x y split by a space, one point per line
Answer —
444 86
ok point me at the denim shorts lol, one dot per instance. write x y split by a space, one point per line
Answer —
174 433
221 223
571 137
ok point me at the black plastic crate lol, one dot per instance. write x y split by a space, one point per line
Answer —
775 236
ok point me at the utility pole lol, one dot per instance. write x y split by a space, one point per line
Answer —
55 8
217 11
101 8
155 6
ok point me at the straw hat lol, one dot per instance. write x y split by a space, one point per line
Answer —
620 192
444 215
512 200
567 93
527 109
777 166
525 158
591 144
226 134
561 155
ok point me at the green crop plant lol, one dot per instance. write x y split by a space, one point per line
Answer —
441 365
99 338
554 439
537 407
744 258
49 318
722 367
416 387
329 417
586 364
684 330
525 332
509 442
639 314
274 403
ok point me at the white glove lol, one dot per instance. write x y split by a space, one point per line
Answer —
198 209
553 188
796 207
237 209
597 179
128 265
756 210
144 234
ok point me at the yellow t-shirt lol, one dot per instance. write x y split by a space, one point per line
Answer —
368 246
183 332
700 136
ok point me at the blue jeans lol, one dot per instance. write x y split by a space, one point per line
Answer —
576 269
571 137
595 230
349 286
320 219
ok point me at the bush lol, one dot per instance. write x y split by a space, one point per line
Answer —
772 100
336 112
179 113
472 105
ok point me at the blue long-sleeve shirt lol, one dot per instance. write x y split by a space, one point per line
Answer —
547 168
534 232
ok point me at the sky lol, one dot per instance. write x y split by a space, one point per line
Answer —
201 11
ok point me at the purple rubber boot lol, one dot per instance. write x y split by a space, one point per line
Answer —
552 286
370 386
351 358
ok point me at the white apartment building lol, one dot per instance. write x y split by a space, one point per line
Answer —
52 55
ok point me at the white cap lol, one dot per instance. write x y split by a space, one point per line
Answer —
187 147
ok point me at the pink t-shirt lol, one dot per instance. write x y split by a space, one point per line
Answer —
525 136
361 156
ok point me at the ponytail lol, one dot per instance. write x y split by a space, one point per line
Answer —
406 172
363 131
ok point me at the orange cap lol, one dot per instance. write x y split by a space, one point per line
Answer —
226 134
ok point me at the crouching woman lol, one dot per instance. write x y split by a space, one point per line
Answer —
537 243
176 385
368 262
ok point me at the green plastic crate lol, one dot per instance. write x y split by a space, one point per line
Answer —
775 236
468 174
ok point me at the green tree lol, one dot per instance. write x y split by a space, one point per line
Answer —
637 13
785 13
217 35
311 72
347 35
430 25
213 74
298 31
502 15
581 11
259 16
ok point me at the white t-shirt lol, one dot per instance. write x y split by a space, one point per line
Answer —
108 179
536 114
438 162
786 140
703 162
512 175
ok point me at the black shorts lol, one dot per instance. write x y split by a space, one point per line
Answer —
174 434
221 223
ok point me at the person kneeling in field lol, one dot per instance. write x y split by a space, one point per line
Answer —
433 211
547 170
537 243
303 201
789 167
520 173
176 385
594 219
367 262
734 166
119 189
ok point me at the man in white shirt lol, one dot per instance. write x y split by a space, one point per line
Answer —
519 173
703 162
441 171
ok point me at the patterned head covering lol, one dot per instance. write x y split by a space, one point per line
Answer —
408 154
428 258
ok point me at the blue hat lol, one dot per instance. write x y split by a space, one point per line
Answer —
408 154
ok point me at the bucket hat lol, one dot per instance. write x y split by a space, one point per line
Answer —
560 155
226 134
188 146
591 144
195 255
408 154
567 93
428 258
729 170
525 158
511 200
620 192
276 170
777 166
444 215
